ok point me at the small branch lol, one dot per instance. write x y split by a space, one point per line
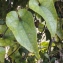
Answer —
14 50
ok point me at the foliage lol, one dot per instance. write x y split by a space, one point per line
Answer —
23 24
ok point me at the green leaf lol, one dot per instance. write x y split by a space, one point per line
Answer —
45 44
59 30
53 60
2 22
23 29
40 27
46 55
2 28
49 4
47 14
2 54
6 42
9 34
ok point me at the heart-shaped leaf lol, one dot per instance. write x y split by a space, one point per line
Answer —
46 12
49 4
23 29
